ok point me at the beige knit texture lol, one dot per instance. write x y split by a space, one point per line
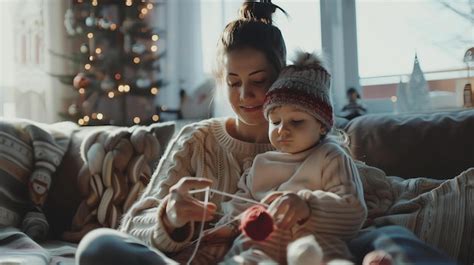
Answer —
202 149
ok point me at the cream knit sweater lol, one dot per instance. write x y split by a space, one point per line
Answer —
203 149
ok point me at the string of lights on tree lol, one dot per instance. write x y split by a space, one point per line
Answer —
118 75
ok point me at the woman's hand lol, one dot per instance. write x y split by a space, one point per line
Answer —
182 208
287 209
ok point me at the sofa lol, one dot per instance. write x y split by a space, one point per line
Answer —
404 160
74 169
418 172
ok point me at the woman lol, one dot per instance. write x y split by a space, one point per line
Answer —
212 152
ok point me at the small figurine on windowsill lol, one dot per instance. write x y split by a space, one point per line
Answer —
353 108
467 92
467 96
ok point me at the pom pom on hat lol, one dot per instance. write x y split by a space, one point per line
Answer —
304 85
304 59
256 223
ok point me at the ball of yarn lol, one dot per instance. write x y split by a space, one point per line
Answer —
256 223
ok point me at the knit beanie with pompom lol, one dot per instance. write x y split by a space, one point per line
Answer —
304 85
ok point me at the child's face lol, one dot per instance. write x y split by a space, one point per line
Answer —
292 130
352 96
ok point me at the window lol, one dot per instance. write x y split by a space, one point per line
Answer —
390 33
301 29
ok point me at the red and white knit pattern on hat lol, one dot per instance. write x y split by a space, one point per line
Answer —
304 85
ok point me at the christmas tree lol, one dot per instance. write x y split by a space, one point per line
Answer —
403 102
418 94
118 61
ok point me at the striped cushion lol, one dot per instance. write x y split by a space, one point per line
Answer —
29 155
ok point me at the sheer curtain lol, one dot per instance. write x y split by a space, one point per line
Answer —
29 29
7 102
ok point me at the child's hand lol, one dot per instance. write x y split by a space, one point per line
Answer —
271 196
288 209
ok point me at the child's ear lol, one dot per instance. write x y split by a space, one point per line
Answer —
323 130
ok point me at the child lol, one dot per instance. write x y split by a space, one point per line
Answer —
353 108
310 182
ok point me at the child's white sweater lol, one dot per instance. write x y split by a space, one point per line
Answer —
326 177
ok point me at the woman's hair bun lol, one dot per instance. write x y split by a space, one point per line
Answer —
261 10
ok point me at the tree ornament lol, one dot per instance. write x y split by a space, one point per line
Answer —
138 48
103 23
256 223
90 21
143 83
81 81
84 48
73 110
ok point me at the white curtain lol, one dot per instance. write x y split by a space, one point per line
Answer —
7 103
29 29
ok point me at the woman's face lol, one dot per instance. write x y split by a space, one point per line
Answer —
248 75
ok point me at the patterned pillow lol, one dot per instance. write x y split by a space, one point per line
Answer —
29 155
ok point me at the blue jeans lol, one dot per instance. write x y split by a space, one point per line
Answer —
404 246
106 246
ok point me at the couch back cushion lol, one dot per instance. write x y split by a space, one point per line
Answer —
65 194
436 145
30 153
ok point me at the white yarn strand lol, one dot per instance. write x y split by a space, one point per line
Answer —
229 195
206 202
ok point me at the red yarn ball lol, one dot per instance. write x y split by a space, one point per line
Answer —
256 223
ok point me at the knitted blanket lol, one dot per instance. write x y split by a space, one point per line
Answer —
29 155
118 164
440 212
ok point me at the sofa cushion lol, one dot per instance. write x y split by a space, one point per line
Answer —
437 145
29 155
65 193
